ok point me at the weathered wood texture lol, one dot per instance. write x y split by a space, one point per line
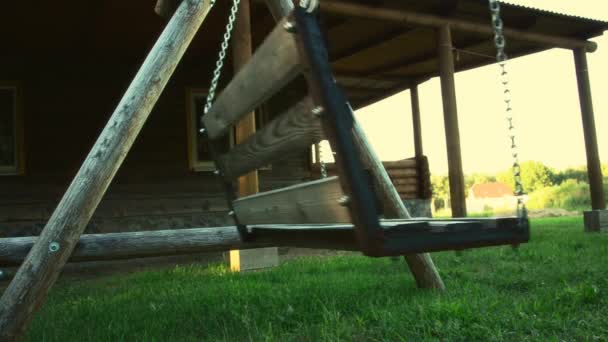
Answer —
273 65
416 122
116 246
411 172
423 234
292 132
421 265
307 203
594 168
450 118
27 291
407 18
596 220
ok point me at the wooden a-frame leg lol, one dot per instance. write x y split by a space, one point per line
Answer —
39 271
421 265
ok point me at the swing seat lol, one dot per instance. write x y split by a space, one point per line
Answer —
337 212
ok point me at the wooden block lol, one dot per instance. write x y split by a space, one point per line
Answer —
254 259
596 221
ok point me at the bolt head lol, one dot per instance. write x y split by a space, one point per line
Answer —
318 111
344 201
289 27
54 247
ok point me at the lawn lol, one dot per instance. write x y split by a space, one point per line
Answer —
554 288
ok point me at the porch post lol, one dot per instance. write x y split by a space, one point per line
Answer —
450 114
416 121
598 218
241 260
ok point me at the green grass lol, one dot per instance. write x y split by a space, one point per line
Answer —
554 288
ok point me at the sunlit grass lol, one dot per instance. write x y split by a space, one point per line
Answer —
553 288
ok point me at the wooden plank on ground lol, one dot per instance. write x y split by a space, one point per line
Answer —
274 64
292 132
308 203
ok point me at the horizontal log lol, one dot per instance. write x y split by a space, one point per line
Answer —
416 235
402 173
292 132
408 196
308 203
117 246
408 18
408 189
273 65
400 164
405 181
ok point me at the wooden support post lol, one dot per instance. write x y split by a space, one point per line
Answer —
450 114
40 270
248 184
416 121
594 168
597 219
421 265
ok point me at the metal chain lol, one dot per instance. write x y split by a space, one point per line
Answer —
321 162
217 73
502 59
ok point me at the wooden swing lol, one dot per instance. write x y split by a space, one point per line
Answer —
339 212
331 208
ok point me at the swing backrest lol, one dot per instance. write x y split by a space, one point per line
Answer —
295 47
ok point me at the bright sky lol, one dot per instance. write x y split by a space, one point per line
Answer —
545 100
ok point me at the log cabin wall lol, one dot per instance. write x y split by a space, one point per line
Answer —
66 104
72 62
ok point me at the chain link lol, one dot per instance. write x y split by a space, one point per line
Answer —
321 162
501 57
217 73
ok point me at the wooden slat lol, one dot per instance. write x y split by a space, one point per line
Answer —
313 202
405 181
274 64
402 173
410 189
292 132
400 164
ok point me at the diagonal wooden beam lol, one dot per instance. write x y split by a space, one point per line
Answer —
28 290
421 265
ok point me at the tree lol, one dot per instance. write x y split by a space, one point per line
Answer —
534 175
441 190
478 178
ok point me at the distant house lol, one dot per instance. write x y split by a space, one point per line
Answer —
488 196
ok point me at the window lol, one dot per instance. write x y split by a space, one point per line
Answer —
11 156
198 152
